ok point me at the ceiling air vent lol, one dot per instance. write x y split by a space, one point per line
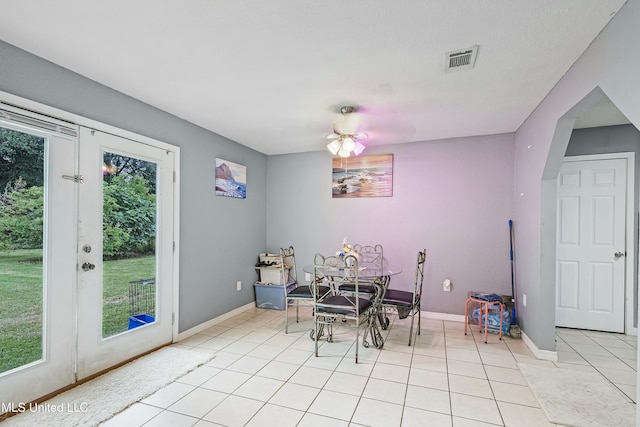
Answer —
463 59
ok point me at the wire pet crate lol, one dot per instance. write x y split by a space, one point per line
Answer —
142 302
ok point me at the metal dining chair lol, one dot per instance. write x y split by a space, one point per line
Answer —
336 307
407 303
370 255
295 294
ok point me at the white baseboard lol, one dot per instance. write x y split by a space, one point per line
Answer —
209 323
540 354
442 316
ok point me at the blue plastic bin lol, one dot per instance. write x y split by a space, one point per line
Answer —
140 320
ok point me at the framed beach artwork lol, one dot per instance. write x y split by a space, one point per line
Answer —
231 179
365 176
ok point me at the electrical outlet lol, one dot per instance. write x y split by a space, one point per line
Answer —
524 300
238 285
307 277
446 285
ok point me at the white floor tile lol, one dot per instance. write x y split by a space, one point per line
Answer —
335 405
464 355
292 355
198 402
223 359
168 395
472 386
377 414
313 377
275 416
429 362
389 372
314 420
346 383
226 381
278 370
512 393
295 396
386 391
428 399
248 364
394 358
466 368
234 411
430 379
199 375
475 408
523 416
135 415
413 417
259 388
265 351
505 375
173 419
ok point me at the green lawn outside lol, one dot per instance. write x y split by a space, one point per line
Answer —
21 301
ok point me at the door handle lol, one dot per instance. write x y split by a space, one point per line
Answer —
87 266
618 255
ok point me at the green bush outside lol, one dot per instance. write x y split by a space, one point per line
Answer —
129 217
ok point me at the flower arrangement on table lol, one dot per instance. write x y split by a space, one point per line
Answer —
346 250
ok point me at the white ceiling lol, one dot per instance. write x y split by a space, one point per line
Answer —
272 75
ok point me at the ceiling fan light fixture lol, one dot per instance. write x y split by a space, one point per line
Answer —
358 148
348 144
344 141
343 153
334 146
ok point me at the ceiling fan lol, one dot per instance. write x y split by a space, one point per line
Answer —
346 139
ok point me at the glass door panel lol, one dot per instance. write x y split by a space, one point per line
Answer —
37 263
21 241
128 243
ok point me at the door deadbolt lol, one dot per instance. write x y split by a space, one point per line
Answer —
618 255
86 266
86 248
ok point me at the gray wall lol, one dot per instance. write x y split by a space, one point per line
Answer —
452 197
541 142
613 139
220 237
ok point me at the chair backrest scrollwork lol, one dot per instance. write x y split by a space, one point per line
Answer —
370 254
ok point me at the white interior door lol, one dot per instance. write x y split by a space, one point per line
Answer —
124 289
37 264
590 250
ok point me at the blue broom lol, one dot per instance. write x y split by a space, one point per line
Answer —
513 281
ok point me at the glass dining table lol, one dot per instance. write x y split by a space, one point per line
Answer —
367 274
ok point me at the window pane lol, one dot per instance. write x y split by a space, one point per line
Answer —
129 243
21 254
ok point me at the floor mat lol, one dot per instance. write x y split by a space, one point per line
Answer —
578 398
97 400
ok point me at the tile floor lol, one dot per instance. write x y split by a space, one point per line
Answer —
262 377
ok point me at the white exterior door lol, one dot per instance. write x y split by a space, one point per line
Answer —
37 347
87 231
591 244
124 290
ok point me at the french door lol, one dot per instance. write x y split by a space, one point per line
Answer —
37 264
125 250
89 266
